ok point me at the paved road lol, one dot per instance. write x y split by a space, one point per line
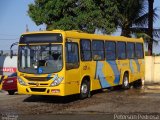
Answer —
111 104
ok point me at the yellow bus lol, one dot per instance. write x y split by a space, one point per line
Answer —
63 63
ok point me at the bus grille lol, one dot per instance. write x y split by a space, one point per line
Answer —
38 78
41 84
38 89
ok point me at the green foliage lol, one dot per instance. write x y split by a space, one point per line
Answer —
89 15
130 11
154 54
85 15
133 17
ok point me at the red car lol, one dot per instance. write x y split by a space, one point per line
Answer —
10 84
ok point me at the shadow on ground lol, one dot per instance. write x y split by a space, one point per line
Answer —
52 99
67 99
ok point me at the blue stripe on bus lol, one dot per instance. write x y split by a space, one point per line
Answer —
131 66
115 70
100 75
138 66
48 76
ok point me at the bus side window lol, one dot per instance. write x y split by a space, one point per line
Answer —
139 51
110 48
85 48
121 50
98 50
130 50
72 58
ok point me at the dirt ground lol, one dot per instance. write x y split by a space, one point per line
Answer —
111 104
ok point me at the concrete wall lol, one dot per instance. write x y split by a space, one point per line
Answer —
152 69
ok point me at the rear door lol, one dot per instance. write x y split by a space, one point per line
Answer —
112 72
122 61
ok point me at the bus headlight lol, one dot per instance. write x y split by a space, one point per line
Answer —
21 82
56 80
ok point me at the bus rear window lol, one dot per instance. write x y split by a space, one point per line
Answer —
41 38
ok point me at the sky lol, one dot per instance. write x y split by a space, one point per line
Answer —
14 18
13 21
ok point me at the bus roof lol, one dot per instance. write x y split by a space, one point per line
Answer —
82 35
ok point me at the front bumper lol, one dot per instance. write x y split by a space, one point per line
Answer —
33 90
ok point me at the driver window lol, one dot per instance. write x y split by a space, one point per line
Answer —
54 59
72 58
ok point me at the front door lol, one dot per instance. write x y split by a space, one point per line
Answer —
72 68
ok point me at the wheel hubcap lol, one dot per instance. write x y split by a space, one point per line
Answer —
84 88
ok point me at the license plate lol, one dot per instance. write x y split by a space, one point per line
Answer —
10 81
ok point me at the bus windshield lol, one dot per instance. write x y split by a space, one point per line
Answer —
40 58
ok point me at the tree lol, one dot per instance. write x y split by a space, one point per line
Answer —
109 13
150 25
53 13
134 19
88 15
85 15
132 16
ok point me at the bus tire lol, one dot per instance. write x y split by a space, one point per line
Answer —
11 92
137 83
85 89
125 84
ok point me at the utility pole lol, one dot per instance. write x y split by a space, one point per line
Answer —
27 29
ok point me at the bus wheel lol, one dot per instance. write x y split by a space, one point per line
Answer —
11 92
137 84
85 89
125 84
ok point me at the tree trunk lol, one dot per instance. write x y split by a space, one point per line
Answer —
125 31
150 26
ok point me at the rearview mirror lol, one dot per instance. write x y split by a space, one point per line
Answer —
11 51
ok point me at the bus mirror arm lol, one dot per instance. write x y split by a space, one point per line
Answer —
11 54
11 51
